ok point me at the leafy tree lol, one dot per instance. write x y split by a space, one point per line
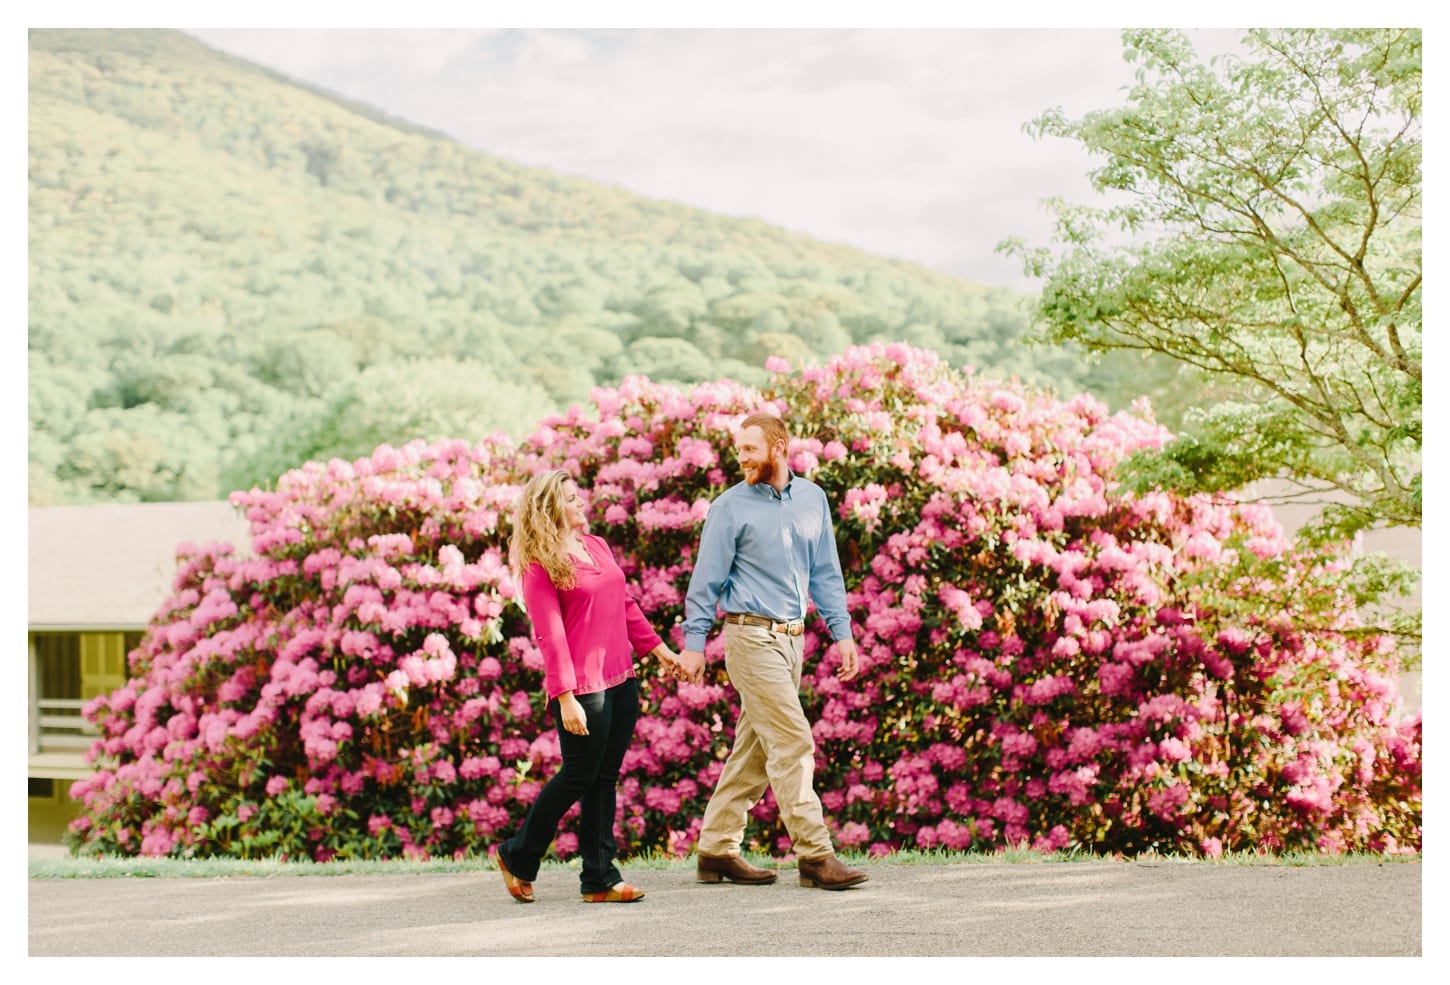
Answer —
293 430
783 344
306 362
57 397
565 361
373 340
739 309
1264 233
584 295
141 453
822 333
662 359
667 311
424 398
234 251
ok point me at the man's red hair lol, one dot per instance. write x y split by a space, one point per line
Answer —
772 426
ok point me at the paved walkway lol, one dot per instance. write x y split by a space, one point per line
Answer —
965 909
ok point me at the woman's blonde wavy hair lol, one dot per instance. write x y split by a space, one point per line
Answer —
541 525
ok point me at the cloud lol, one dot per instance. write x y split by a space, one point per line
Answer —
346 53
907 143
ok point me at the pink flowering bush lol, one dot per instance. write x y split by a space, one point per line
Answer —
1047 660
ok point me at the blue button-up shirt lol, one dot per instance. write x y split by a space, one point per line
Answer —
767 552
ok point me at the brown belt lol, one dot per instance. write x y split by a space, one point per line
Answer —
747 619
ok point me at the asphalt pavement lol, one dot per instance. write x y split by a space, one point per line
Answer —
1072 909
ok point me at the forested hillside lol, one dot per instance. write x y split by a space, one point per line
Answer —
232 273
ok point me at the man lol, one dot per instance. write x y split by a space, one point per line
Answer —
767 545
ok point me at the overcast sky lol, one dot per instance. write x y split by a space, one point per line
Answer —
905 143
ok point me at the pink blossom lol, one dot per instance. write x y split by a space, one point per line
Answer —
1038 645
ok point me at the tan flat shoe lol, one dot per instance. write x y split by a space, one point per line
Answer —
620 892
518 888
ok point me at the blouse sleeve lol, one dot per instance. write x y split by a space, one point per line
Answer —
541 599
642 635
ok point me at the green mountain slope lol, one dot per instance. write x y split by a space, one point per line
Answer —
232 272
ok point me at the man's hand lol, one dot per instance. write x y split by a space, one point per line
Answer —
850 660
692 666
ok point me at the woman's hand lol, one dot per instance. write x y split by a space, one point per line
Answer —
669 660
572 713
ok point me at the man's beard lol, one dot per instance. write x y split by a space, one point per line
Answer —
765 472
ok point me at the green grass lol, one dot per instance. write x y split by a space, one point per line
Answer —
118 867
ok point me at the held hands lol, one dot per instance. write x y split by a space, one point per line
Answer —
690 667
669 660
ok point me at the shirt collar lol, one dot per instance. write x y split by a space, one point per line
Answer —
766 489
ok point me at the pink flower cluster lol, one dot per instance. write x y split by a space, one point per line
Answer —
1047 660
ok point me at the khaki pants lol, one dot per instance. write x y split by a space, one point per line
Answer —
773 746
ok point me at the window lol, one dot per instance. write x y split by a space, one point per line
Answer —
57 665
68 670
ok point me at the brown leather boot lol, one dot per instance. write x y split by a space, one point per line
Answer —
713 868
829 873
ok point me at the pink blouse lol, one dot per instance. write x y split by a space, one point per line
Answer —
588 634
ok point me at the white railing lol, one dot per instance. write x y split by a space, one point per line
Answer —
59 726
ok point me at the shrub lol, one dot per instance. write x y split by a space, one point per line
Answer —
1047 659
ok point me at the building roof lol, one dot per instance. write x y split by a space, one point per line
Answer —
111 566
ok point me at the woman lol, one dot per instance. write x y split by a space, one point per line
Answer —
588 630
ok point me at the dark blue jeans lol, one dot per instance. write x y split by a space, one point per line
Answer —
589 776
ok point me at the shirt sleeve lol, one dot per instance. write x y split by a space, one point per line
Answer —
541 599
707 580
828 586
642 635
